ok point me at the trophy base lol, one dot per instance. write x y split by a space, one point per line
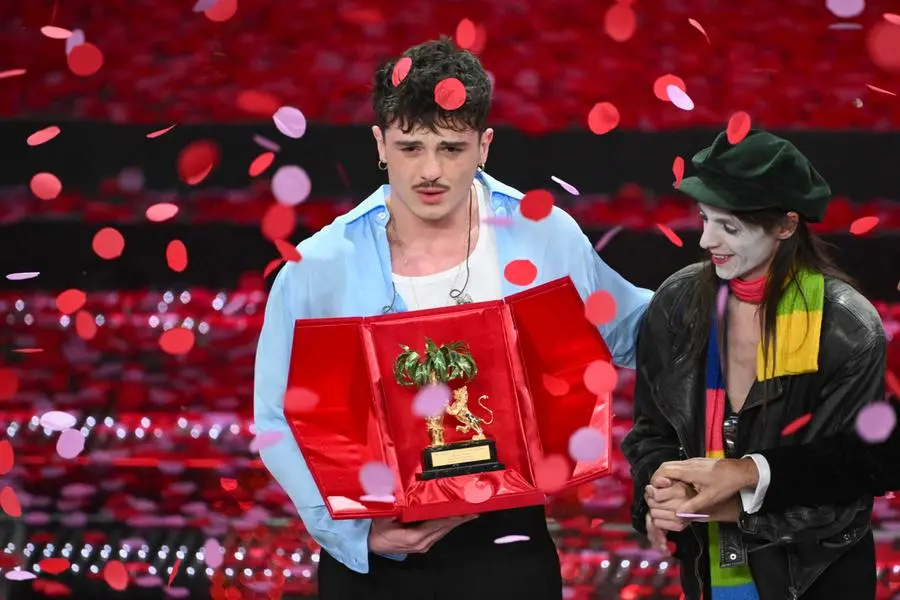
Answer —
459 458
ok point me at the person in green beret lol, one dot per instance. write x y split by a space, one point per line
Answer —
764 345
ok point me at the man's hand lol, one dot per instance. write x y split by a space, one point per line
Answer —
716 480
664 501
387 536
657 537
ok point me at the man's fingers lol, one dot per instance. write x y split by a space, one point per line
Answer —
699 504
660 482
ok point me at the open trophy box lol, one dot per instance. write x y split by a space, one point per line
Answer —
367 382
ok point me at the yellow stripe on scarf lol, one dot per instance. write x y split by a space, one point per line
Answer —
796 346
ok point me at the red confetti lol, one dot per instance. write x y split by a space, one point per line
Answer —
661 83
678 170
620 22
288 251
279 221
9 502
85 326
229 485
450 93
555 385
174 572
796 424
70 301
738 127
161 211
401 70
600 307
466 34
261 163
197 160
892 18
273 264
54 566
7 457
603 118
108 243
11 73
536 205
159 132
55 33
258 102
177 340
520 272
863 225
880 90
892 383
9 384
673 237
85 59
298 400
477 491
116 575
177 256
551 473
28 350
883 44
42 136
600 377
221 11
699 28
46 186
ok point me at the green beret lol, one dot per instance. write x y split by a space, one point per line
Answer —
761 171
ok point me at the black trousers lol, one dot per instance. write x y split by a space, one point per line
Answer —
464 565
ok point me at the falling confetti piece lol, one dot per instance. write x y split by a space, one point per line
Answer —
265 440
115 575
738 127
673 237
555 385
796 424
278 222
511 539
466 34
377 479
174 572
587 445
863 225
177 341
600 307
496 221
55 33
678 170
291 185
197 160
9 384
74 40
565 185
204 5
85 59
57 420
54 566
431 401
892 18
177 256
85 325
42 136
213 553
890 380
9 502
536 205
722 300
228 484
178 592
603 118
388 499
273 264
551 473
450 93
266 143
258 102
845 9
620 22
875 422
7 457
882 46
162 211
607 237
691 515
22 276
298 400
70 443
70 301
662 83
148 581
46 186
290 121
288 251
699 28
18 575
28 351
221 11
11 73
477 491
401 70
520 272
108 243
880 90
261 163
679 98
159 132
600 377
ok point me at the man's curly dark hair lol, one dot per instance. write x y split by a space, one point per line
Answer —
411 104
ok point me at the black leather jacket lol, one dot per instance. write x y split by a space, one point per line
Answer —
786 550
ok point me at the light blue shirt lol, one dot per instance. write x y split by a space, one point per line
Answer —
346 271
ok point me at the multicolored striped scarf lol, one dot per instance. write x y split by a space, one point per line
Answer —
797 332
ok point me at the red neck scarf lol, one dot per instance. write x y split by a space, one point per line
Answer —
749 291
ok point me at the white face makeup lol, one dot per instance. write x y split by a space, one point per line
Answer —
738 250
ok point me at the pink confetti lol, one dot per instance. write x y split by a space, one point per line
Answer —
204 5
450 93
721 300
679 97
845 9
213 553
298 400
600 307
70 443
587 445
159 132
56 420
511 539
600 377
496 221
78 490
386 499
607 237
46 186
880 90
42 136
377 479
875 422
22 276
266 143
691 516
431 401
148 581
477 491
19 575
73 41
178 592
11 73
555 385
162 211
290 121
551 472
290 185
699 28
566 186
892 18
265 440
55 33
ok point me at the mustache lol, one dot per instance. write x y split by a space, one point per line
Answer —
431 186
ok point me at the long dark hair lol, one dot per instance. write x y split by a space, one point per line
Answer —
804 249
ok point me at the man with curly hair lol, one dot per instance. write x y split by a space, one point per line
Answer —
429 238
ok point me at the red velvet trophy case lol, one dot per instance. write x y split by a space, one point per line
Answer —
365 416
